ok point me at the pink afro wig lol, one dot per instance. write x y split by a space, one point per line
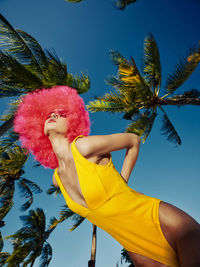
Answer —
34 110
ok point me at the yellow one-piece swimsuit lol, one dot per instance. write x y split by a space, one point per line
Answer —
128 216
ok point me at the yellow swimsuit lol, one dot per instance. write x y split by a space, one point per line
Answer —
128 216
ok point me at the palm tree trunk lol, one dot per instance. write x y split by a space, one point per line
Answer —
6 126
32 263
180 101
91 262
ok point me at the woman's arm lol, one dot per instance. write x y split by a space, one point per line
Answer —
98 145
130 161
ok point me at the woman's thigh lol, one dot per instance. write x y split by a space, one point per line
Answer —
142 261
175 223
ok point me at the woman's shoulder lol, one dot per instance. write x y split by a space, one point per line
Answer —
86 146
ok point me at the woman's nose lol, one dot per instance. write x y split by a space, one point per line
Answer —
54 116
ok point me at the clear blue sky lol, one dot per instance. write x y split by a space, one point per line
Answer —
82 35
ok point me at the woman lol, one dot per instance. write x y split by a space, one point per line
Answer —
54 125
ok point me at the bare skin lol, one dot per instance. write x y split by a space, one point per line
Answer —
180 230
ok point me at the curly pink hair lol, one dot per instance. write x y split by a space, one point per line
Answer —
34 110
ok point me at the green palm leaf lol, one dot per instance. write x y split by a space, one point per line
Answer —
151 63
143 125
30 241
122 4
3 258
46 255
1 242
100 105
33 186
65 214
27 193
77 219
35 220
35 48
125 257
80 82
12 43
169 131
183 70
117 57
54 190
16 79
8 140
6 203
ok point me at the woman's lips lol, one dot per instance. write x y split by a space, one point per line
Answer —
51 120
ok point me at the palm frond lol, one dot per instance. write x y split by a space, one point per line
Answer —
183 69
125 257
53 224
13 44
54 190
134 86
3 258
100 105
1 242
25 192
131 114
122 4
169 131
117 57
65 214
56 73
151 62
8 140
79 82
114 81
13 164
35 219
18 255
16 78
9 113
35 48
77 219
31 257
193 93
6 202
143 125
33 186
46 255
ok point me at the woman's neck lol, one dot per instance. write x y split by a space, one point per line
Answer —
60 146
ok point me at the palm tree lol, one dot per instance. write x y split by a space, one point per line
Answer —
25 67
3 255
11 171
65 214
125 258
30 241
119 4
138 95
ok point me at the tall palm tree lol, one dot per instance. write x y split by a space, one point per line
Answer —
25 67
119 4
138 95
11 171
65 214
30 242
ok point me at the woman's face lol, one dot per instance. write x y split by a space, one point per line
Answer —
56 121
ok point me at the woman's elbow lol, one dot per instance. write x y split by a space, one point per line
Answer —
136 140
